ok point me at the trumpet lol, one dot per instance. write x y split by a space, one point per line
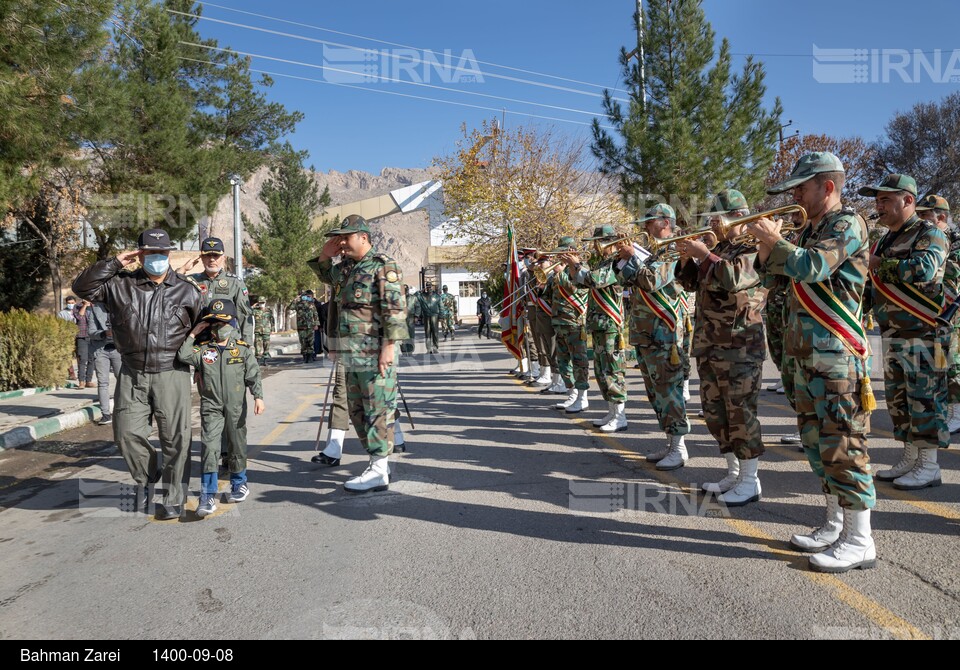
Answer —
542 274
661 247
749 240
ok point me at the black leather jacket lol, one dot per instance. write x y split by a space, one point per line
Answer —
149 321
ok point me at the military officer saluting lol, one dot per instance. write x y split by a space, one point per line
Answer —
216 283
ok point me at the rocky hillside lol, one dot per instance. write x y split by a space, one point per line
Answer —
405 237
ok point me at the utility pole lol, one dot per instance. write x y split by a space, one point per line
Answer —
236 181
638 52
786 125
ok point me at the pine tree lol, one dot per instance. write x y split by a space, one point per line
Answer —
285 239
701 129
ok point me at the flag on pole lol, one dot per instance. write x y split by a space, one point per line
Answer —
511 313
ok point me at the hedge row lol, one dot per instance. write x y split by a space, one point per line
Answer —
35 349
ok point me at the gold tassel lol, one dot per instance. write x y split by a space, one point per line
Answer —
867 401
939 359
687 322
869 324
674 355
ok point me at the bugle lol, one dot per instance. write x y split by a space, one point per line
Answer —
748 239
661 248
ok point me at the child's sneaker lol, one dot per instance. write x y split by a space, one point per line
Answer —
238 494
208 504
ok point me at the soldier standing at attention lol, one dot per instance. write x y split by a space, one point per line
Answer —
657 330
729 346
227 368
307 322
906 272
263 326
151 311
449 313
216 283
826 352
372 319
569 308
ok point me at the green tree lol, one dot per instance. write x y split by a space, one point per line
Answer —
284 238
701 129
43 43
23 269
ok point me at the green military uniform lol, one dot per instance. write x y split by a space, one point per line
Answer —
228 286
307 322
409 344
427 307
263 325
540 312
448 313
569 304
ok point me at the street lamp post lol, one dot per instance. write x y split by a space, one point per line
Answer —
236 181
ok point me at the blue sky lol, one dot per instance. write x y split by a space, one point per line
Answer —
365 128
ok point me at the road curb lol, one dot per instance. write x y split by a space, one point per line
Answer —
24 435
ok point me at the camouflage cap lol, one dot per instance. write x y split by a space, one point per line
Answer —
933 202
352 224
602 232
212 246
565 244
892 183
808 166
727 200
661 211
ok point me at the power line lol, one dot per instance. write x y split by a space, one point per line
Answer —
383 78
404 46
402 95
388 55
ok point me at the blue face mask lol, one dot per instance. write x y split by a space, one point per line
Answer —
156 264
307 298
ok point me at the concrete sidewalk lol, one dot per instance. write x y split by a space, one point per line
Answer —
32 414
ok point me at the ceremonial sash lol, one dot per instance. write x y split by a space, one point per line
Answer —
543 304
660 306
909 299
578 302
683 301
820 303
610 305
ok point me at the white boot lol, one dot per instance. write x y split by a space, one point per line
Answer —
572 394
925 473
747 488
854 549
375 478
580 404
334 447
776 386
533 372
953 422
825 535
544 378
660 454
686 389
558 385
907 460
619 420
523 368
611 412
791 439
399 443
728 482
677 456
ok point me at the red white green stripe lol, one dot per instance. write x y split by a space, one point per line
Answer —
577 301
609 303
660 306
909 299
820 303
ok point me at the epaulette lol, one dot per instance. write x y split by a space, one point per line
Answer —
243 343
190 280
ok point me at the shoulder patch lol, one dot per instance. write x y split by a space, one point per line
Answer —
923 243
393 276
841 225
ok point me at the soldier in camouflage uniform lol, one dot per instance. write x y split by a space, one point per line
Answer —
729 346
540 312
936 210
826 354
372 319
227 368
308 321
217 284
263 326
569 306
448 313
605 316
657 330
906 273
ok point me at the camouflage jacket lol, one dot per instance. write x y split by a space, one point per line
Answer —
913 257
570 310
262 321
372 305
448 305
729 324
835 251
951 271
657 281
229 286
307 318
606 296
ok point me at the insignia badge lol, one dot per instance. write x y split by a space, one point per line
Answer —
234 352
841 226
211 243
203 288
923 243
210 356
222 283
358 293
392 277
156 236
217 306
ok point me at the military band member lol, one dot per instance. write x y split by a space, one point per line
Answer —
605 316
729 345
906 273
540 311
372 319
826 354
657 331
569 306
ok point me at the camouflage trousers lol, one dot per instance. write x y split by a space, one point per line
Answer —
371 403
729 391
775 324
953 372
572 361
608 365
447 323
261 344
663 382
407 346
546 340
833 425
915 385
306 341
687 344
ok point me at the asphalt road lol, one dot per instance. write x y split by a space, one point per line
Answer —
505 519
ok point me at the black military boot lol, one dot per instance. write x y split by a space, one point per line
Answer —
306 358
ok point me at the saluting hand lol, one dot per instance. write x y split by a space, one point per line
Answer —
199 328
330 248
189 265
127 257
